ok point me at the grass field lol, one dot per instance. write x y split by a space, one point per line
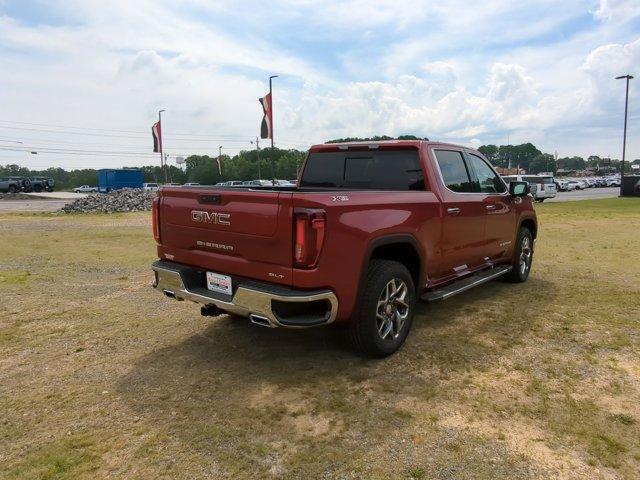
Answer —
102 377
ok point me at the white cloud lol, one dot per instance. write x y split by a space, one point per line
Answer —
617 10
445 70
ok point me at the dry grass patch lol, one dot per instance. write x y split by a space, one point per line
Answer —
102 377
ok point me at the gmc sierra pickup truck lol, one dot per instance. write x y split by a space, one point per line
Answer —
368 230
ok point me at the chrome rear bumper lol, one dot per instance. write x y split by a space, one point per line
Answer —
252 300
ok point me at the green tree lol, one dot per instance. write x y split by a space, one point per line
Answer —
489 151
544 162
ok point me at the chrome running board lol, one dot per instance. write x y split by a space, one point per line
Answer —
465 284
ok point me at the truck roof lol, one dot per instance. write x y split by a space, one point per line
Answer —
393 144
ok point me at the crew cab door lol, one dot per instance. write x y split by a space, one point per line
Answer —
463 216
500 215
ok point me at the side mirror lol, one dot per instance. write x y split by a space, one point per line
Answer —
518 189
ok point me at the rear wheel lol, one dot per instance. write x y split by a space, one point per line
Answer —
522 257
12 189
385 312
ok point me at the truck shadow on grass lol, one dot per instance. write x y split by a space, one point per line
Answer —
237 391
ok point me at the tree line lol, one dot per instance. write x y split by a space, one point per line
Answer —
528 157
284 164
203 169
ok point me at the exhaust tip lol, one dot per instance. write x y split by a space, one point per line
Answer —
260 320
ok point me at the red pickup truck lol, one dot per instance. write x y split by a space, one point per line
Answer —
369 229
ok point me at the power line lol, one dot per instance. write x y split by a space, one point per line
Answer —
111 130
79 152
60 129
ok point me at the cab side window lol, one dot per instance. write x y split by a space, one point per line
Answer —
486 179
455 173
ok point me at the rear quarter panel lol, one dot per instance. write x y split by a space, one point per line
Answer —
354 220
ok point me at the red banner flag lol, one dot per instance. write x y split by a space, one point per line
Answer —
157 137
267 120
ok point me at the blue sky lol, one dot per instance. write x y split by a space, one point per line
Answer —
487 73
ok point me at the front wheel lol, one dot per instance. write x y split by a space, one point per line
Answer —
12 189
383 320
522 257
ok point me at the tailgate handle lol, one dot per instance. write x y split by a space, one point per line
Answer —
209 199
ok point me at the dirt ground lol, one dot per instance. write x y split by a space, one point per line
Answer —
102 377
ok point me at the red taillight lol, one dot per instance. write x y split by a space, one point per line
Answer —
155 219
309 228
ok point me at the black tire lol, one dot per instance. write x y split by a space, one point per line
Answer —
12 189
518 273
541 200
37 188
367 327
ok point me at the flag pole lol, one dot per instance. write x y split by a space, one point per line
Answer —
160 144
271 97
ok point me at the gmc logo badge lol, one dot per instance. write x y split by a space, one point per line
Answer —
211 217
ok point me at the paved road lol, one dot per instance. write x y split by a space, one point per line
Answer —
36 205
586 194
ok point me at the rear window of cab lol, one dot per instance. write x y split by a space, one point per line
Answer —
369 170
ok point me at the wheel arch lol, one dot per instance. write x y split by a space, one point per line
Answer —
531 224
402 248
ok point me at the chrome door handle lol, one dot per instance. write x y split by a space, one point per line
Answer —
453 211
490 207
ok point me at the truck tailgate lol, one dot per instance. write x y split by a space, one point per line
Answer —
244 232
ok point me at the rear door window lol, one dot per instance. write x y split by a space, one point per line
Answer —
377 170
455 173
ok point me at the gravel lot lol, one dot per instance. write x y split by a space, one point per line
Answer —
35 205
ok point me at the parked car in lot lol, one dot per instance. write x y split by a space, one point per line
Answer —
42 184
545 185
371 228
613 182
11 184
85 189
574 185
564 185
150 187
170 184
191 184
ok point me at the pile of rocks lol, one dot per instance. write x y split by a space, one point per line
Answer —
125 200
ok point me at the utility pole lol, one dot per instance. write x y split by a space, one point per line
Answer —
624 138
258 153
271 97
220 160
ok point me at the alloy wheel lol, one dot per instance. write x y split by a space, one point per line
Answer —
525 255
392 309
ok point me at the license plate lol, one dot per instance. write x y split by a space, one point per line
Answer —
219 283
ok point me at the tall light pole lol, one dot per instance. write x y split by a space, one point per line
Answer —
162 166
271 97
624 138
